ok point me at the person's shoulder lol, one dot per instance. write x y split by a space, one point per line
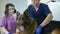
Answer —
29 6
4 17
43 4
14 16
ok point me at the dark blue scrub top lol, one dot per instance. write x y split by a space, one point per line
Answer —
40 14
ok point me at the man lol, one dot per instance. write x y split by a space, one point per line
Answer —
41 13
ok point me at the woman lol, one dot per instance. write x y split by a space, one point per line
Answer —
9 21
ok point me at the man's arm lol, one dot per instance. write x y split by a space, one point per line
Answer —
47 20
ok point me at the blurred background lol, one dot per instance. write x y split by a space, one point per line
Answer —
21 5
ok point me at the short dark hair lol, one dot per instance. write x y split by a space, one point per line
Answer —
7 7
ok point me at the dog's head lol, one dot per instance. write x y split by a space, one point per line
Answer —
23 19
19 19
29 23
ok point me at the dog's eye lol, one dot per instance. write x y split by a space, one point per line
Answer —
21 22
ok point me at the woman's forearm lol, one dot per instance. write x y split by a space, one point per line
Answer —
4 30
47 20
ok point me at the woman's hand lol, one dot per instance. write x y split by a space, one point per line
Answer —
4 30
9 33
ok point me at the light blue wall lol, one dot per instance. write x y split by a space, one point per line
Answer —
20 5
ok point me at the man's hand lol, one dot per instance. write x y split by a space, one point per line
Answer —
39 29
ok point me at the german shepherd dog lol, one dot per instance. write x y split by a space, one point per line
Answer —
29 24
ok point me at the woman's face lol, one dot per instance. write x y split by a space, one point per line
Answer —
35 2
11 10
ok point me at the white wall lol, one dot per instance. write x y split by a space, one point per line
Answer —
55 9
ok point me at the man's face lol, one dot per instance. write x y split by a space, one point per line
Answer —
35 2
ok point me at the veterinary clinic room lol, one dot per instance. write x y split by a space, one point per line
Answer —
29 16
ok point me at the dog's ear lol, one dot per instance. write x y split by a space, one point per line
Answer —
17 13
26 12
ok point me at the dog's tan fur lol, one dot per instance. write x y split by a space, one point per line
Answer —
56 31
30 25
